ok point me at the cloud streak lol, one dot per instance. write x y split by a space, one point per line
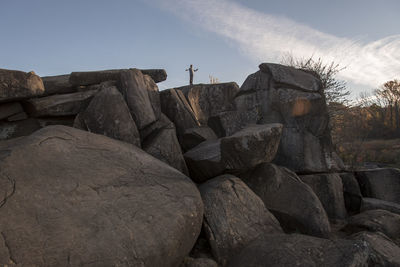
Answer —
264 37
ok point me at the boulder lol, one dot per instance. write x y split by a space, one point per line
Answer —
292 201
382 184
10 109
299 250
86 199
175 106
18 117
163 145
59 105
133 86
234 154
329 189
351 192
198 262
155 127
377 204
158 75
154 95
194 136
17 85
375 221
382 251
233 216
109 115
58 85
9 130
208 100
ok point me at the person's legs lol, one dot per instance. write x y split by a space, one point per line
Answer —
191 79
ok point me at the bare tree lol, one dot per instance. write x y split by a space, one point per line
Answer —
389 95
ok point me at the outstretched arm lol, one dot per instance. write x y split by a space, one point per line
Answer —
196 69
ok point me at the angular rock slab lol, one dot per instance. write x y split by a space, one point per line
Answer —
109 115
299 250
195 136
59 105
377 204
329 189
292 201
242 151
17 85
233 216
351 192
58 85
158 75
74 198
10 109
382 184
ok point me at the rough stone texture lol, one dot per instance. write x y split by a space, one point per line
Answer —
199 262
163 145
18 117
158 75
155 127
154 95
279 94
380 183
65 120
175 106
375 221
194 136
9 130
59 105
299 250
208 100
85 199
10 109
292 201
382 251
351 192
109 115
329 189
234 154
233 216
377 204
17 85
134 88
58 85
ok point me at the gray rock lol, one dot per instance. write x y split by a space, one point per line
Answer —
10 109
329 189
109 115
299 250
194 136
233 216
155 127
65 120
234 154
58 85
377 204
154 95
133 87
351 192
9 130
17 85
18 117
293 202
59 105
382 184
81 198
199 262
158 75
208 100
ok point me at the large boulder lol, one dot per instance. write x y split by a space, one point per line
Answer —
299 250
16 85
380 183
293 202
281 94
329 189
234 154
195 136
208 100
158 75
59 105
58 85
76 198
377 204
233 216
351 192
9 130
108 114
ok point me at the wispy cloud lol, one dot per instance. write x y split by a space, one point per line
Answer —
265 37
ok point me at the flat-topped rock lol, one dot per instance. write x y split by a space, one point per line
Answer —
17 85
58 85
158 75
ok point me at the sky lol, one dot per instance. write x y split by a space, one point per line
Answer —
226 39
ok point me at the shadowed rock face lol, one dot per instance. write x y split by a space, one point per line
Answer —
377 204
82 198
17 85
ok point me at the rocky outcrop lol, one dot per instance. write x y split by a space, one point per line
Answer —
351 192
9 130
158 75
74 198
234 154
292 202
58 85
195 136
233 216
10 109
17 85
377 204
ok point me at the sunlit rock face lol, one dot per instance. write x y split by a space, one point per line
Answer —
294 98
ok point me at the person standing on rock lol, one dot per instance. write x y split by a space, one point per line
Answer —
191 72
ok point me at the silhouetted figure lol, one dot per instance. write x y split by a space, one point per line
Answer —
191 72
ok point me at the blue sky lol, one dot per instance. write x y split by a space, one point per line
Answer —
223 38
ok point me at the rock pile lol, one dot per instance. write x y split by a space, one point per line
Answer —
100 168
